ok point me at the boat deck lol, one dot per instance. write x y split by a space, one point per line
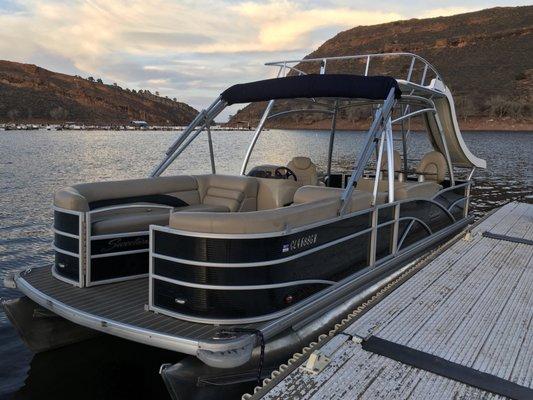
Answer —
116 308
472 306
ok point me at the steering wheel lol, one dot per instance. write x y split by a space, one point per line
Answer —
285 173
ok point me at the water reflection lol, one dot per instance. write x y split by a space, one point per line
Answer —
100 368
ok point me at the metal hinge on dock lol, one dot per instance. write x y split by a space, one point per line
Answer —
315 363
320 358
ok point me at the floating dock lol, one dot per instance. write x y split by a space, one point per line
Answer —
460 327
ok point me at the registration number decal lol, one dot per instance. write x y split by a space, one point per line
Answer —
300 243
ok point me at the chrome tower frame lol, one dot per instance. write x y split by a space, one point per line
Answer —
417 100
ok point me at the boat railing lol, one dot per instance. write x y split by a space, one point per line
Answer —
428 71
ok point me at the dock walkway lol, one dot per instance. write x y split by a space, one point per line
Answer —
471 306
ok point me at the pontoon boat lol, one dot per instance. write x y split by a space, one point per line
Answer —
238 270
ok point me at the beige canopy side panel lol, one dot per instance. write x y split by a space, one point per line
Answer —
459 152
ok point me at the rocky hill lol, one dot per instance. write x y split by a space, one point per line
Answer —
485 57
32 94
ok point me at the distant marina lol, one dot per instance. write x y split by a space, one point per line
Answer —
134 126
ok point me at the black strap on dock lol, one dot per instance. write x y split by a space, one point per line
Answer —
447 369
513 239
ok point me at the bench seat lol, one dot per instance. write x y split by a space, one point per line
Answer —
141 221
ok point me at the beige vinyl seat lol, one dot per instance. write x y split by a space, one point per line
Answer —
432 170
432 167
367 184
311 204
305 170
203 193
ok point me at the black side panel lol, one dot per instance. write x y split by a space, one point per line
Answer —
227 303
428 212
256 250
67 266
455 196
332 263
69 223
115 245
119 266
384 241
67 243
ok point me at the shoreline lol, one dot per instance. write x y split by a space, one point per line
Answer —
471 125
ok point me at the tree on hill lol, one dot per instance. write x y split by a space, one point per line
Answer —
90 79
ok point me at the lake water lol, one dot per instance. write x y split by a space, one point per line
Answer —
34 164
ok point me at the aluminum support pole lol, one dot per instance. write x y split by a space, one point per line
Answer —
390 159
256 136
382 114
332 139
211 152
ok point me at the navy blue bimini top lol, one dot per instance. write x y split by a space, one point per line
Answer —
311 86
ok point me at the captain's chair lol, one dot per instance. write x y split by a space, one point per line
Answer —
305 170
432 167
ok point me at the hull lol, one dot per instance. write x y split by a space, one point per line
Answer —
40 329
233 279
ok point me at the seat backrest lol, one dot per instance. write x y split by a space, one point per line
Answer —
304 169
238 193
360 200
433 166
80 197
397 163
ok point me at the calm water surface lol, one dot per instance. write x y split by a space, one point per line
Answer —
34 164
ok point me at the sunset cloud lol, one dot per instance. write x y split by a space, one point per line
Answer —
186 49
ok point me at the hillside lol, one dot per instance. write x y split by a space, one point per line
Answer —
485 57
35 95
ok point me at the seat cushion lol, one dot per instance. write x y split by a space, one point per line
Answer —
360 200
133 222
276 220
139 221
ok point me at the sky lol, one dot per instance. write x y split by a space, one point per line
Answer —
191 49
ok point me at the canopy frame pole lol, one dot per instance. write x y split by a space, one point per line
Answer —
282 113
404 145
211 152
446 151
332 139
382 114
467 194
281 72
378 168
256 136
208 115
390 158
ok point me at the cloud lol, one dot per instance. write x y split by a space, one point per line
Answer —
166 39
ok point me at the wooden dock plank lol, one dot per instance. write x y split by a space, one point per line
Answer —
472 305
